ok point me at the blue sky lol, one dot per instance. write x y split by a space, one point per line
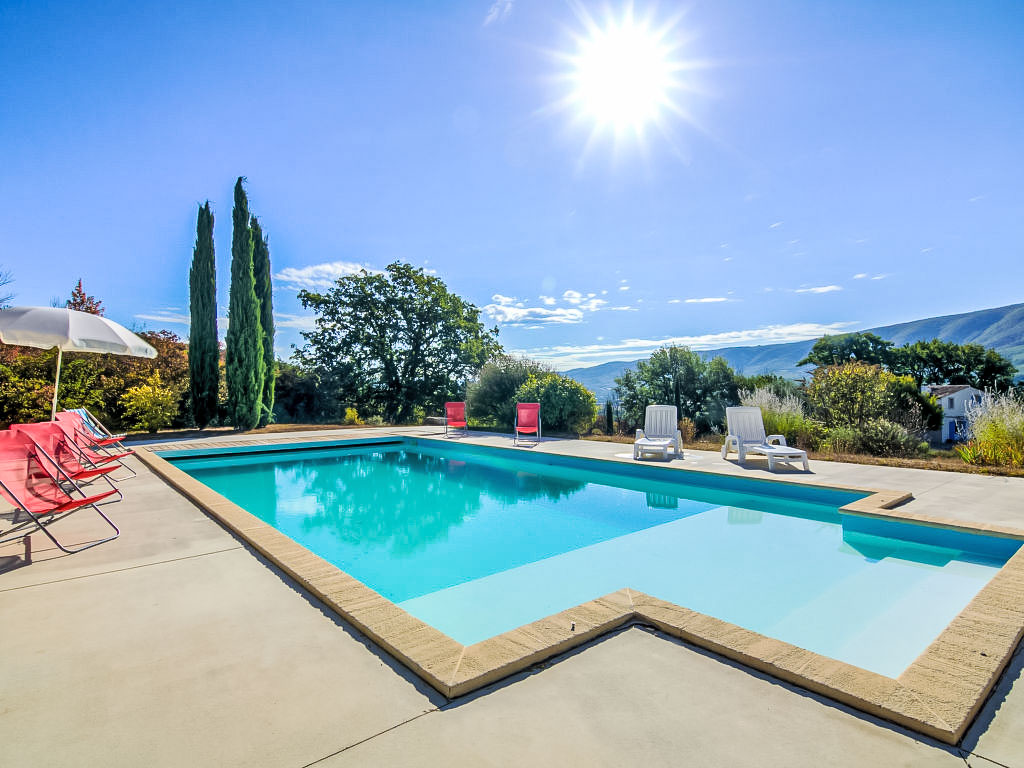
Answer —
828 166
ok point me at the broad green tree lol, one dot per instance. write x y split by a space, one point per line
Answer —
261 276
395 341
847 347
701 390
928 362
244 368
203 353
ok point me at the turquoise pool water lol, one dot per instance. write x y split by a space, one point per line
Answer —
477 541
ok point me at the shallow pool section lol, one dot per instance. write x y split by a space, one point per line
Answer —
477 541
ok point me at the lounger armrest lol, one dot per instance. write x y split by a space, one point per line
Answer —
778 439
640 434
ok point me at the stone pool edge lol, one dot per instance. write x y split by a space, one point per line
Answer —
939 694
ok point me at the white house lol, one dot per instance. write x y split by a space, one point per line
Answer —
954 399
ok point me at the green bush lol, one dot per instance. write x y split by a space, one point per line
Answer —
151 405
565 404
798 430
491 399
995 431
842 440
884 438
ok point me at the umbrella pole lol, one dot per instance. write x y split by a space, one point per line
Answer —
56 385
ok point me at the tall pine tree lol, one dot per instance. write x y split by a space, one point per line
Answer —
203 363
244 364
261 274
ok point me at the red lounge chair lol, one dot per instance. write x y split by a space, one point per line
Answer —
53 442
527 421
79 424
455 417
90 451
31 482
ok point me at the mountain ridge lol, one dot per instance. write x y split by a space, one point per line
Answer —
1001 328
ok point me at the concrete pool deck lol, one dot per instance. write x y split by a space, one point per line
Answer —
176 644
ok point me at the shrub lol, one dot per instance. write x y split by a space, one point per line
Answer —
885 438
565 404
688 429
841 440
995 431
150 405
491 399
352 416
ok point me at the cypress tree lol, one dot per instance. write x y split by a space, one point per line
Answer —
244 364
261 274
203 364
609 417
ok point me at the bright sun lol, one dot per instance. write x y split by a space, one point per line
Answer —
623 75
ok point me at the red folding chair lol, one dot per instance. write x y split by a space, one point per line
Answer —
92 452
53 442
455 417
31 482
527 421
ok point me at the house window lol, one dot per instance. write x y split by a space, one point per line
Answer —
951 401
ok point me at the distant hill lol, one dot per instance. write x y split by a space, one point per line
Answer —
1001 328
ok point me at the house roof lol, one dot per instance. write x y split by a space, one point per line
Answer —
948 389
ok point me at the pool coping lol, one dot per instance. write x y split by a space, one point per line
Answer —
939 694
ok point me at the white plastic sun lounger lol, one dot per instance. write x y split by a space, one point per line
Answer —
660 433
746 435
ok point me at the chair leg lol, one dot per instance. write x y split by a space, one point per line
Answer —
44 526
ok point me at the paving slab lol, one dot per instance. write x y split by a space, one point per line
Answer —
210 660
998 732
156 525
639 699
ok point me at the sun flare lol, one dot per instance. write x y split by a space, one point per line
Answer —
623 75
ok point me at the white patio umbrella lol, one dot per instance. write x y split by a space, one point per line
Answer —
69 331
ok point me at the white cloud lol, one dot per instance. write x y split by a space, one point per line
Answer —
319 275
504 300
707 300
820 289
675 301
623 287
860 275
588 302
302 322
776 225
865 275
510 314
499 11
927 250
568 356
166 316
549 301
880 277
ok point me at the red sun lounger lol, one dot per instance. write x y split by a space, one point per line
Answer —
53 442
31 483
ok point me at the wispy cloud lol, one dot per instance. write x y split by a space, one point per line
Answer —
563 357
865 276
571 307
302 322
499 12
820 289
319 275
588 302
675 301
860 276
166 316
776 225
707 300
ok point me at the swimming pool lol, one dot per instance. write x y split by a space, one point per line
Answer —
477 541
